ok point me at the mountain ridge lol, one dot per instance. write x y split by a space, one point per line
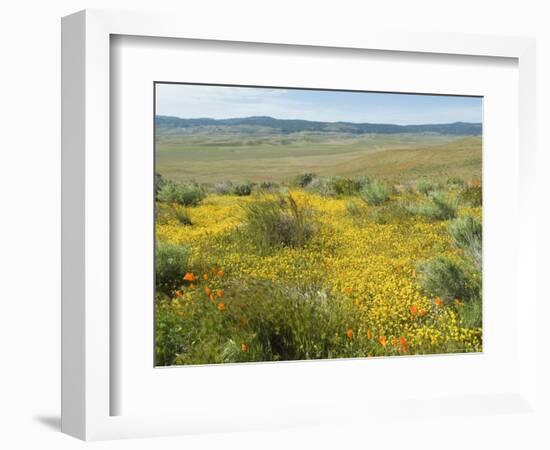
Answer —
287 126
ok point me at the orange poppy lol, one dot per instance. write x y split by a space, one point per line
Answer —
221 306
403 342
207 290
349 333
383 341
221 273
414 310
369 334
179 293
244 347
212 297
189 277
423 312
219 293
438 302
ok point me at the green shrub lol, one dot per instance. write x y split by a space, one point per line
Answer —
268 186
472 195
243 189
322 186
375 193
471 313
224 188
304 179
159 182
454 182
187 194
444 278
440 206
171 262
426 186
347 186
183 216
354 210
391 213
467 235
278 222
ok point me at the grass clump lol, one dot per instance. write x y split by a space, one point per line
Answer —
426 186
454 182
323 186
187 194
354 210
467 235
171 261
471 195
278 222
183 216
347 186
391 213
444 278
159 182
304 179
224 188
375 193
243 189
268 186
439 206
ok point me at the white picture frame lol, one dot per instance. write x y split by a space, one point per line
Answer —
87 386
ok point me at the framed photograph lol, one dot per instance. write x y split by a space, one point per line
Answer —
293 230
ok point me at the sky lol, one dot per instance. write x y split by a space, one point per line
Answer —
223 102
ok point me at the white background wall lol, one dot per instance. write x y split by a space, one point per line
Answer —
30 187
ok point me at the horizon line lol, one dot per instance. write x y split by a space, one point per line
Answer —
324 121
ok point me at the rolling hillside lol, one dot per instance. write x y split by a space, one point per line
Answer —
263 148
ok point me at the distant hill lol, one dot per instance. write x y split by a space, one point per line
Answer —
284 126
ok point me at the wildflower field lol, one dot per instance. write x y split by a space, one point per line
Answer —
317 266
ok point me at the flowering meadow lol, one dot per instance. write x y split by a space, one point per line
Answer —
317 267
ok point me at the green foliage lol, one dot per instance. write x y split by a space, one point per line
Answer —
395 213
159 182
454 182
187 194
347 186
471 313
261 321
171 262
278 222
224 188
472 195
375 193
467 235
183 216
268 186
304 179
439 206
444 278
323 186
426 186
243 189
354 210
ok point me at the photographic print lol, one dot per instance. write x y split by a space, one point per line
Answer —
306 224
